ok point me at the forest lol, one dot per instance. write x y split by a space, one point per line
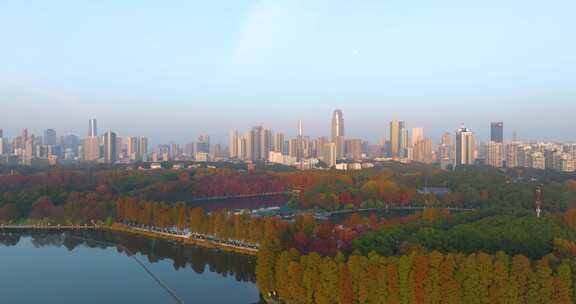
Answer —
80 195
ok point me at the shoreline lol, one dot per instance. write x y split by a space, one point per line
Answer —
121 228
180 239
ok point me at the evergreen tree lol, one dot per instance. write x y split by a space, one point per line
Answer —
265 267
346 291
432 283
500 282
450 288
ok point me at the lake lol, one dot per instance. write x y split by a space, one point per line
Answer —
106 267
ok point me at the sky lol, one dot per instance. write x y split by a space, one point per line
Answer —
171 70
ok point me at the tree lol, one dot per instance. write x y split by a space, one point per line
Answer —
544 280
329 281
393 281
518 286
297 293
265 267
420 276
563 283
450 287
500 280
433 279
346 292
469 278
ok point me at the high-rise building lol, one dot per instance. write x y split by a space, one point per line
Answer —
404 142
423 151
353 149
524 155
417 135
92 142
2 143
537 160
246 146
278 142
92 128
2 146
143 148
512 155
92 149
299 141
28 151
397 138
25 135
110 143
337 134
306 147
256 143
497 132
329 154
49 137
203 143
266 142
495 154
133 148
233 143
465 147
293 147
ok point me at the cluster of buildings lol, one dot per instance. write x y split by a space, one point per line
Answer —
260 144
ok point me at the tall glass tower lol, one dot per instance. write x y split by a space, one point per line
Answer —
497 132
337 135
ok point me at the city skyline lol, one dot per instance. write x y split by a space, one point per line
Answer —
482 133
265 145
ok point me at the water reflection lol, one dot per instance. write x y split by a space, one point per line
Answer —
241 267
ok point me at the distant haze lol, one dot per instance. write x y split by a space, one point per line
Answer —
173 70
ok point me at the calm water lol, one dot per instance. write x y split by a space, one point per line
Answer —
97 267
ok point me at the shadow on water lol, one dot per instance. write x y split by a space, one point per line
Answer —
241 267
199 260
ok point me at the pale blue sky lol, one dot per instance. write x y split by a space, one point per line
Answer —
174 69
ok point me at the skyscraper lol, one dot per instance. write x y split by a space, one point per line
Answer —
465 146
353 149
495 154
246 146
49 137
329 154
233 143
512 155
446 151
92 128
266 143
299 142
397 133
133 148
417 135
256 142
278 142
203 143
423 151
497 132
110 151
92 142
337 135
143 148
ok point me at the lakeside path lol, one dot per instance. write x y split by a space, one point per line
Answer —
121 228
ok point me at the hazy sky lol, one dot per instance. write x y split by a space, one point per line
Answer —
173 69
